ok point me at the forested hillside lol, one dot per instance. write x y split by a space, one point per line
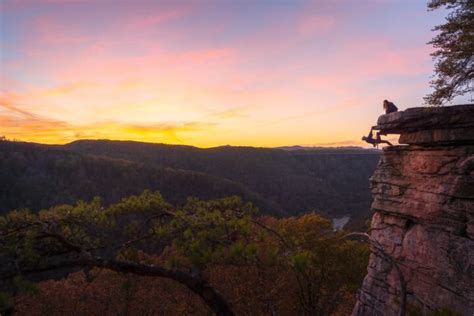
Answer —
280 182
38 176
331 181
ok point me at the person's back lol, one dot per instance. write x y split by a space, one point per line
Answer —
389 107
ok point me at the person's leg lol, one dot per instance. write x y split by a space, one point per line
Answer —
370 135
386 142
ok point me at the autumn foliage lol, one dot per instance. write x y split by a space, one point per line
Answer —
251 264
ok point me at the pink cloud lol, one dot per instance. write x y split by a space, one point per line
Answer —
201 56
361 60
104 64
377 57
143 23
49 34
316 24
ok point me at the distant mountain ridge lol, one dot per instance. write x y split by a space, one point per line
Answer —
329 149
280 182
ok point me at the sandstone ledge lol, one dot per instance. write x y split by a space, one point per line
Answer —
431 125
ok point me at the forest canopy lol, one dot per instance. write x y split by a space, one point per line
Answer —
216 255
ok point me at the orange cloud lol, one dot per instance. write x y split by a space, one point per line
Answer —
63 89
240 112
7 102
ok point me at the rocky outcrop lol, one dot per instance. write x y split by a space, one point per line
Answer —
423 204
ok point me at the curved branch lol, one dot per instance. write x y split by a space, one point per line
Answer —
194 282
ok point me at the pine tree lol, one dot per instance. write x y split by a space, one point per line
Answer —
454 54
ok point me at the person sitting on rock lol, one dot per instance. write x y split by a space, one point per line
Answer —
389 107
375 142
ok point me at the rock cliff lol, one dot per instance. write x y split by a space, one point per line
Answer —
423 215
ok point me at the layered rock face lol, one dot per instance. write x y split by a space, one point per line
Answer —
423 204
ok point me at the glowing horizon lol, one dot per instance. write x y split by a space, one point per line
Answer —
209 73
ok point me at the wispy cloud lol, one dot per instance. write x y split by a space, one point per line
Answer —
149 21
7 103
233 113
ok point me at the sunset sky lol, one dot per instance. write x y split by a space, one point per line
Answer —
210 73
